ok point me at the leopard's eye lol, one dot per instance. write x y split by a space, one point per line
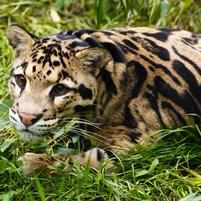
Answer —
20 80
59 90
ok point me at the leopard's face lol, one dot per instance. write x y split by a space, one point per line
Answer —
49 82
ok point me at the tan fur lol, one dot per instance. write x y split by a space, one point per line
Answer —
131 82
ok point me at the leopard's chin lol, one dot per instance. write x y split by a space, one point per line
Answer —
30 137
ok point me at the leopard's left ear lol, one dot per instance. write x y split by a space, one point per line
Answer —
19 37
93 58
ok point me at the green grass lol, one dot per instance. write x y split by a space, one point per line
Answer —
167 170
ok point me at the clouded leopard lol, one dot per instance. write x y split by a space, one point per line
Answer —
131 82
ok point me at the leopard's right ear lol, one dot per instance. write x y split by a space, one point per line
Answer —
19 38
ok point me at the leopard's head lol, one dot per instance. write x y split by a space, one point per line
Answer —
52 77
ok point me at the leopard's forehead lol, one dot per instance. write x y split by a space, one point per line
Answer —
50 57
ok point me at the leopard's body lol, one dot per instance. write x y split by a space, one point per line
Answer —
131 81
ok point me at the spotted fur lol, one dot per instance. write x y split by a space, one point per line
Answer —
131 82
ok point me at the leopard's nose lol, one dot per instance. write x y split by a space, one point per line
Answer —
29 119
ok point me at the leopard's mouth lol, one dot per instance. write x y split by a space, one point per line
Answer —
35 137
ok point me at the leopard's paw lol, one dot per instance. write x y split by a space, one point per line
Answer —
95 158
33 162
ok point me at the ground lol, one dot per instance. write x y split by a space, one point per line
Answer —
167 170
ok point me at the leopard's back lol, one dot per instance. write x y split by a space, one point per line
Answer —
156 77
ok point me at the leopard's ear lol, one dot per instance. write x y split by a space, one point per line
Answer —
93 58
19 38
